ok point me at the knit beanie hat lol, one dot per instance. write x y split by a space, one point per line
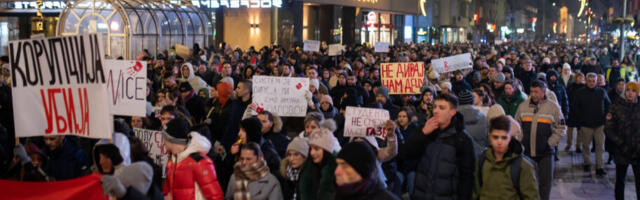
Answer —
177 131
445 84
465 97
499 77
252 127
299 145
384 91
633 86
185 87
324 139
361 157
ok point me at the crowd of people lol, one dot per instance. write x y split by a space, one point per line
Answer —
491 131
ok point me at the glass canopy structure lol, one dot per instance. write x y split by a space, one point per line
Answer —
130 26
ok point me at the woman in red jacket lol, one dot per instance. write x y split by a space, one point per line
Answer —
190 173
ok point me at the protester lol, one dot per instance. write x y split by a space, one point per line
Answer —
317 180
292 166
474 120
66 159
251 178
543 126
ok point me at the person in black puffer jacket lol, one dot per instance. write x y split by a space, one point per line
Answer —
553 81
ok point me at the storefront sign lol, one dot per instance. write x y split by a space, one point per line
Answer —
362 122
284 96
452 63
402 78
59 87
237 3
34 5
127 87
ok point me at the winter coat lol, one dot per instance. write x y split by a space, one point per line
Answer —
526 77
623 131
375 191
542 126
592 105
195 106
510 106
392 108
496 176
446 162
317 181
424 114
238 108
477 125
289 187
266 188
559 90
331 113
220 117
191 174
195 81
279 141
572 121
66 162
459 86
406 165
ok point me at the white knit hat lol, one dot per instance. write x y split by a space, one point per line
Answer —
324 139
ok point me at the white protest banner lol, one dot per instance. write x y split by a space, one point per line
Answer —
361 122
284 96
127 87
154 143
59 87
452 63
381 47
335 49
403 78
311 45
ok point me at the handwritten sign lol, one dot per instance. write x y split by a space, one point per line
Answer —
452 63
361 122
335 49
154 143
59 87
284 96
127 87
403 78
381 47
311 45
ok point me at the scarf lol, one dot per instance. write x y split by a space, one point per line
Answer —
293 175
357 189
244 174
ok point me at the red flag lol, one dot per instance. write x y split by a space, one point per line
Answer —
87 187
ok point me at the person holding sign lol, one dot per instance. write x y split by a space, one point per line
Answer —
445 153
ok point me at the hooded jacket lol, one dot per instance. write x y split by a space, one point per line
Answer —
572 121
317 181
560 91
542 126
191 174
477 124
446 162
496 176
510 105
195 81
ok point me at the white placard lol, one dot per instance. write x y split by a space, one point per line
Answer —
154 143
361 122
381 47
335 49
311 45
284 96
127 87
453 63
59 87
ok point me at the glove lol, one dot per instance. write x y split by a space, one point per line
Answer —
19 152
208 121
112 186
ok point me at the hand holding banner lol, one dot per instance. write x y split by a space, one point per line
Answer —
361 122
402 78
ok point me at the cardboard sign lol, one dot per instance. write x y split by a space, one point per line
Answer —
59 87
335 49
182 51
154 143
453 63
127 87
403 78
284 96
381 47
86 187
311 45
361 122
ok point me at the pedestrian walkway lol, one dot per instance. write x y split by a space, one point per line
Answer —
571 182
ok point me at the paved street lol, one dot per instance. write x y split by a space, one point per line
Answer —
571 182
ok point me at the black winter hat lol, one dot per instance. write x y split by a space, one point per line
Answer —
465 97
252 127
177 131
110 151
185 87
361 157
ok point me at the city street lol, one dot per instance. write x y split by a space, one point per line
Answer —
571 182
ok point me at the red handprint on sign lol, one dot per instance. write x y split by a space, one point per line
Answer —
135 68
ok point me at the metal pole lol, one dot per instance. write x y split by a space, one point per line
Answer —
622 29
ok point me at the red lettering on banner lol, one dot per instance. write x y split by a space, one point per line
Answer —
66 123
401 70
386 69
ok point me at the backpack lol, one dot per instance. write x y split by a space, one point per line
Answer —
515 166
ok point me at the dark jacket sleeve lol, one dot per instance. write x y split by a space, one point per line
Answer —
607 101
466 166
611 125
413 148
134 194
